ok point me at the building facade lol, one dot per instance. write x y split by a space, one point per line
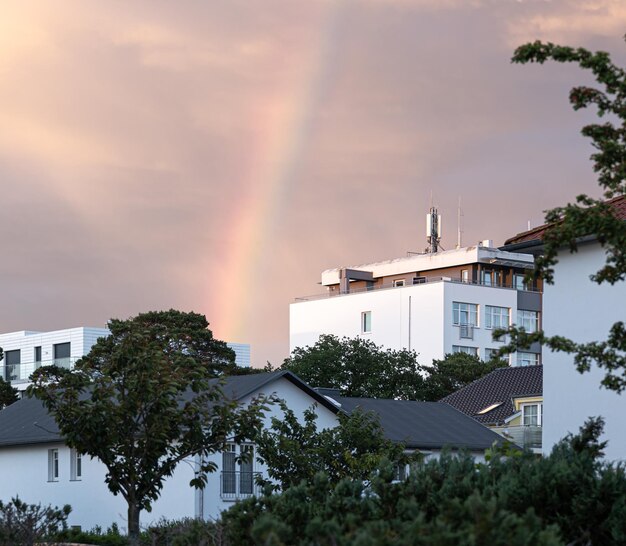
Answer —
25 351
434 304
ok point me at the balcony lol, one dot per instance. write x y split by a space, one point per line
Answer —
416 281
238 485
21 372
527 436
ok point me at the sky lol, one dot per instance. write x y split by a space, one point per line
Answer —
217 156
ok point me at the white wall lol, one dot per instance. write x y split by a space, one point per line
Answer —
583 311
428 329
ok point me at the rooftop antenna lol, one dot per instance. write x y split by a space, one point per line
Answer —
433 229
459 232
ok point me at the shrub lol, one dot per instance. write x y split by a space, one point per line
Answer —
25 524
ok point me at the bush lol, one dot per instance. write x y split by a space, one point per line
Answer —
25 524
184 532
96 536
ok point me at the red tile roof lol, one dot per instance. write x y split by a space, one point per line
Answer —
617 204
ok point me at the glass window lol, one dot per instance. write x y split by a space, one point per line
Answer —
464 349
398 282
76 465
53 465
490 354
532 414
366 322
529 320
12 361
62 353
37 355
496 317
518 282
527 359
464 275
464 313
246 476
229 470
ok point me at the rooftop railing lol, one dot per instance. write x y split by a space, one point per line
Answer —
21 372
417 281
523 435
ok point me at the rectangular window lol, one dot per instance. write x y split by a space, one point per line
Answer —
37 357
464 314
62 353
246 476
490 354
12 361
527 359
464 349
76 465
229 470
532 414
518 282
496 317
398 282
53 465
529 320
464 275
237 476
366 322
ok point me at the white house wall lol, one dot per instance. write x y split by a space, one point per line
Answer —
583 311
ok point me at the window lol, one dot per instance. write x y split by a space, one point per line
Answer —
76 465
464 349
464 314
62 353
12 361
518 282
496 317
532 414
237 476
464 275
492 278
490 355
366 322
398 282
529 320
53 465
37 357
527 359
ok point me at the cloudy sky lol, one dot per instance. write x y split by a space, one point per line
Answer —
216 156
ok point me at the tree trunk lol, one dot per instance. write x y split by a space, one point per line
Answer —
133 524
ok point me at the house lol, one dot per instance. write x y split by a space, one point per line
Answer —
509 401
36 465
433 303
25 351
579 309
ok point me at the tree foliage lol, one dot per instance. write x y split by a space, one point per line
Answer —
360 368
569 497
295 450
143 400
588 216
28 524
8 394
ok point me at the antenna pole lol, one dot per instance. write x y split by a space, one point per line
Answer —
459 230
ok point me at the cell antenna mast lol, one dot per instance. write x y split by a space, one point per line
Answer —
433 230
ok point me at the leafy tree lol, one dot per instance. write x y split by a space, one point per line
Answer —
296 451
8 394
27 524
588 216
569 497
143 400
358 367
455 371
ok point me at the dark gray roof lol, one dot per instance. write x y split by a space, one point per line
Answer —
27 421
499 386
425 425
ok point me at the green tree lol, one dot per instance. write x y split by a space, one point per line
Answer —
588 216
358 367
455 371
8 394
143 400
295 450
569 497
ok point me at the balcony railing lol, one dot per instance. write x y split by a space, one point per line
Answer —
416 281
21 372
238 485
523 435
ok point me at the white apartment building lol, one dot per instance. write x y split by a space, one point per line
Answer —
25 351
434 304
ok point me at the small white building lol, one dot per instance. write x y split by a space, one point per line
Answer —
434 304
584 311
36 465
25 351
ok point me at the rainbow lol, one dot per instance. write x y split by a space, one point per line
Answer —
284 129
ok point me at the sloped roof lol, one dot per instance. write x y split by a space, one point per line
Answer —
28 422
497 387
617 205
424 425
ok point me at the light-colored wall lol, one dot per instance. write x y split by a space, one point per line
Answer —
584 311
428 330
